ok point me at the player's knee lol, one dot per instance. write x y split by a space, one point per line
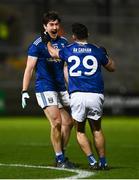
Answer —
79 136
98 134
68 122
56 125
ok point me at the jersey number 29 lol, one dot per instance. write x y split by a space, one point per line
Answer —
73 71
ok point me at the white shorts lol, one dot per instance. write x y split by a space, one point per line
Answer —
52 98
86 105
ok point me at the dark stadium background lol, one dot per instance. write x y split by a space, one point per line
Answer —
112 23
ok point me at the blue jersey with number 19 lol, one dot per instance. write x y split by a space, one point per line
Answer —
84 66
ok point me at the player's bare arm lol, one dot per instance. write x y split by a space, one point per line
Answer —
66 73
31 62
110 66
53 51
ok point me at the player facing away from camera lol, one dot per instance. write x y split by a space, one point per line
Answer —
86 88
50 88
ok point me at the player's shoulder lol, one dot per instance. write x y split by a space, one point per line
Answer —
71 45
93 46
36 44
63 39
37 41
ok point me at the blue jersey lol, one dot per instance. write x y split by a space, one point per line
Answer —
84 67
49 73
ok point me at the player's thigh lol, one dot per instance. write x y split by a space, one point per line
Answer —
66 117
48 101
95 125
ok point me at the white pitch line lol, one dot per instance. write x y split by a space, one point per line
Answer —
80 173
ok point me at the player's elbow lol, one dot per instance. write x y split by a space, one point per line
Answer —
111 69
111 66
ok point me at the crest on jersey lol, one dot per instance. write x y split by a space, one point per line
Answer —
50 99
63 45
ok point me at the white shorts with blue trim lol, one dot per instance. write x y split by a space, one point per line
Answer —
86 105
53 98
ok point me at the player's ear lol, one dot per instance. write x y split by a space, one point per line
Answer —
73 37
45 27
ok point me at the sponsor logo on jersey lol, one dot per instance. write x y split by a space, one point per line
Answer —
57 47
53 60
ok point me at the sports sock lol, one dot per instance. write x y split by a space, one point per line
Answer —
91 159
60 157
63 150
102 161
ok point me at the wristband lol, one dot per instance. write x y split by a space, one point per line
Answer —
23 91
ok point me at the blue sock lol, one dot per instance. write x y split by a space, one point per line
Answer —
91 159
102 161
60 157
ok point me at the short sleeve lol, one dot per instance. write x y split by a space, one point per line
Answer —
33 51
104 57
63 54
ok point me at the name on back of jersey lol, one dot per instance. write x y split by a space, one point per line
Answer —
82 50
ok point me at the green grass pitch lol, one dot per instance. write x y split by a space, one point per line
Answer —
26 140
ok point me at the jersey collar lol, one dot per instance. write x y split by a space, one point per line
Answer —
80 42
57 38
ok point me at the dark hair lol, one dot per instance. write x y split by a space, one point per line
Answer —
50 16
80 31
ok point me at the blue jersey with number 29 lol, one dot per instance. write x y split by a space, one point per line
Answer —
84 67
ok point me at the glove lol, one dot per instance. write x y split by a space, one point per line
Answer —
25 96
45 37
104 50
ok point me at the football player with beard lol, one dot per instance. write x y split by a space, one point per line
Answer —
86 88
